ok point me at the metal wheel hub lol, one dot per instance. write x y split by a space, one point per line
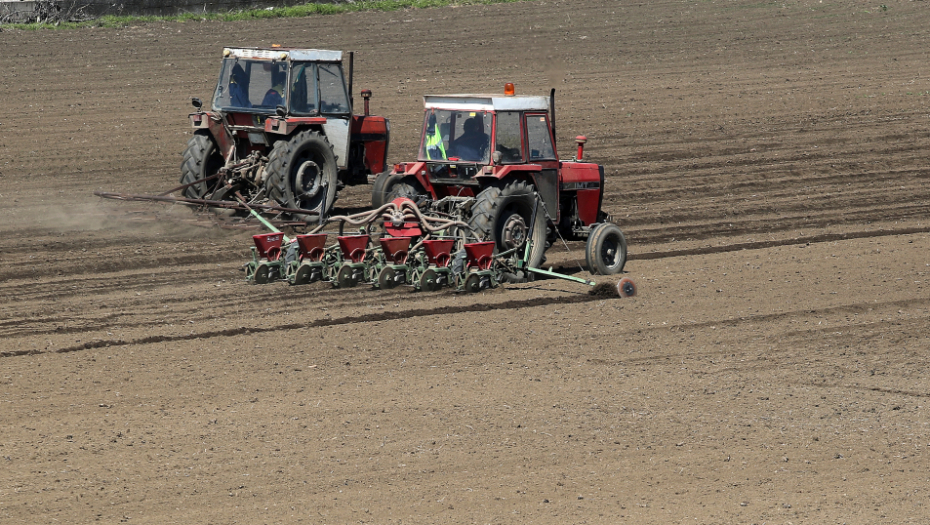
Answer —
514 231
609 251
308 180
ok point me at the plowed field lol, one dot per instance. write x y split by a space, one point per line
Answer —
767 160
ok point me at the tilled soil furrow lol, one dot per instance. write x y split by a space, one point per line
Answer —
384 316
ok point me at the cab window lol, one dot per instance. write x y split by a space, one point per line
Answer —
333 98
303 89
508 137
538 138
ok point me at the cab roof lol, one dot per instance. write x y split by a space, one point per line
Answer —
283 53
487 102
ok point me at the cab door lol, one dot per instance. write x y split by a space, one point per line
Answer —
334 105
541 151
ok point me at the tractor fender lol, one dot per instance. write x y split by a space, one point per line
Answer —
418 171
500 175
221 136
290 125
523 172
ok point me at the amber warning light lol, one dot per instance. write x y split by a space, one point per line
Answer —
508 89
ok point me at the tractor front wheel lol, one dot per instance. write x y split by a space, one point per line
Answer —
382 187
504 215
301 173
201 159
605 252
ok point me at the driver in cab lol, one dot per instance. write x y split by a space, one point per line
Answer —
473 143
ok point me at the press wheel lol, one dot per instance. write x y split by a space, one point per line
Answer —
473 283
387 279
429 281
346 277
306 275
262 274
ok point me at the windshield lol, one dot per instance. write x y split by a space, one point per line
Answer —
456 135
250 85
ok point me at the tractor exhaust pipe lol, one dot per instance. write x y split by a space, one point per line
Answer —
552 116
351 67
366 94
580 140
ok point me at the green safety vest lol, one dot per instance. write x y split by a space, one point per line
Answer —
435 141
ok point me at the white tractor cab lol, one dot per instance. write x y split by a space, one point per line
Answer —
281 129
493 154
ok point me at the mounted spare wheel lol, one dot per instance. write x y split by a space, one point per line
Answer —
301 173
605 252
382 187
504 215
201 159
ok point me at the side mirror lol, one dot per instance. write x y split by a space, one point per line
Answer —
197 103
280 111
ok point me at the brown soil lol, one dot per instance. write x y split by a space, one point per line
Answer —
766 160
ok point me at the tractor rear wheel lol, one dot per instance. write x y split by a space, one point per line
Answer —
408 187
201 159
301 173
382 187
605 252
503 215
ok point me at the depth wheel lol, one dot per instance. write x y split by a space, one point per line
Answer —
387 279
605 252
473 283
626 287
346 277
262 274
306 275
429 281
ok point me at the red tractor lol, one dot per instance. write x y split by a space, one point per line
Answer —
282 130
491 161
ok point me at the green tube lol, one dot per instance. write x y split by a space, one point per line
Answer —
266 223
588 282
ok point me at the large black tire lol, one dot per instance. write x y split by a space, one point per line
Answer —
605 252
315 189
382 188
408 187
201 159
503 215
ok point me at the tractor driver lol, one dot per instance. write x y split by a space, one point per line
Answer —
239 88
473 143
274 97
